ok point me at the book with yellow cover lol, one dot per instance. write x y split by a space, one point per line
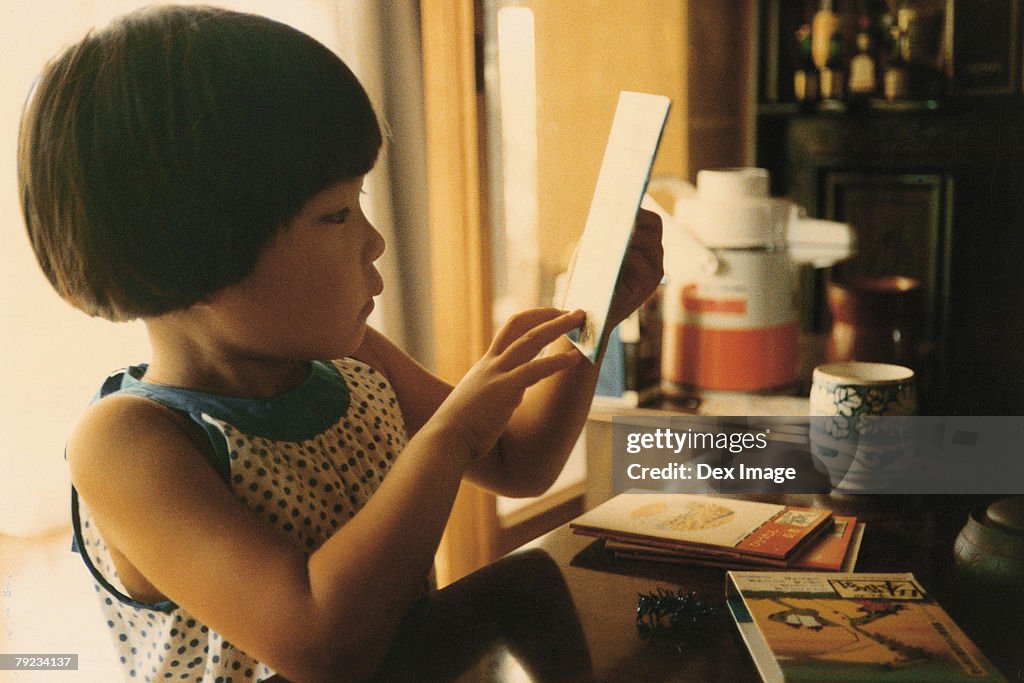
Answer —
714 526
813 626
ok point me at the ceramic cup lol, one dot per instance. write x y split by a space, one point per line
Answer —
860 431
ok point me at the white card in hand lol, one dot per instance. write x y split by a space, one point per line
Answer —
621 183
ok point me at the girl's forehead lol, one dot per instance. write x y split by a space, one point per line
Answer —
342 190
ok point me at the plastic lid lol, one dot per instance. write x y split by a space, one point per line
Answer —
732 208
728 184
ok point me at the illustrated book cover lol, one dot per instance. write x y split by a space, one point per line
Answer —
716 526
811 626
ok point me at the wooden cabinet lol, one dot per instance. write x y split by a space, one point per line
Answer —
934 185
937 194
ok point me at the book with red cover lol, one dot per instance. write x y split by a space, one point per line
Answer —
716 526
835 550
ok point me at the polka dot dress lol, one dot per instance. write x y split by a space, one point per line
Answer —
305 461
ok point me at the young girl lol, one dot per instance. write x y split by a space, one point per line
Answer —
246 505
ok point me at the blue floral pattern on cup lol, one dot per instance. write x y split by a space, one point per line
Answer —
860 430
851 406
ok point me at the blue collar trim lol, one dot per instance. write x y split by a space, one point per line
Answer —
295 415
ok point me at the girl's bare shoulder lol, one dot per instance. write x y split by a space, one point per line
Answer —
122 436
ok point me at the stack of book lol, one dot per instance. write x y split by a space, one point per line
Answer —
723 532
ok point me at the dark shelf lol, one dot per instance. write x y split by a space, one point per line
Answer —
934 194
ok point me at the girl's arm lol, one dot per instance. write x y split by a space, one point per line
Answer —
329 616
542 432
539 437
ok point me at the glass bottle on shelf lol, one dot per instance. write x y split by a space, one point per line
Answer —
833 76
862 83
895 77
824 25
805 75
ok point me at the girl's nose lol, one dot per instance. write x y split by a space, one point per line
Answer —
376 244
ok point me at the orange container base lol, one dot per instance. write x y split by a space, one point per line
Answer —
737 359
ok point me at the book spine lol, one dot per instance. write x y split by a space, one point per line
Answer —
780 536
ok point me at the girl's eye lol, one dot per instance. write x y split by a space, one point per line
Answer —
337 216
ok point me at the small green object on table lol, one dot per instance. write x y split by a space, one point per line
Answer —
677 616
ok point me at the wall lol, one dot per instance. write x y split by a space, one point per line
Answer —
694 52
586 53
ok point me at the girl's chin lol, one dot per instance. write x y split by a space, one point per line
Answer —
350 344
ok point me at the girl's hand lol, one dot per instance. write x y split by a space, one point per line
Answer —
641 268
478 409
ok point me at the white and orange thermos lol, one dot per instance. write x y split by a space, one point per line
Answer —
731 307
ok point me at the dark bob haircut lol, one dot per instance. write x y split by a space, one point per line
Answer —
158 156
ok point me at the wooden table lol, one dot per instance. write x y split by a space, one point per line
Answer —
562 609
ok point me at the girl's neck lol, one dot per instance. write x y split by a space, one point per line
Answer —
199 363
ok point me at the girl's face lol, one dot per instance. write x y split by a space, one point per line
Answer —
313 285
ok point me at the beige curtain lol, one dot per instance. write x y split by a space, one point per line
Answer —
380 41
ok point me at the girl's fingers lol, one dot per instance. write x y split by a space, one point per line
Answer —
531 372
646 241
531 342
648 228
648 219
520 324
